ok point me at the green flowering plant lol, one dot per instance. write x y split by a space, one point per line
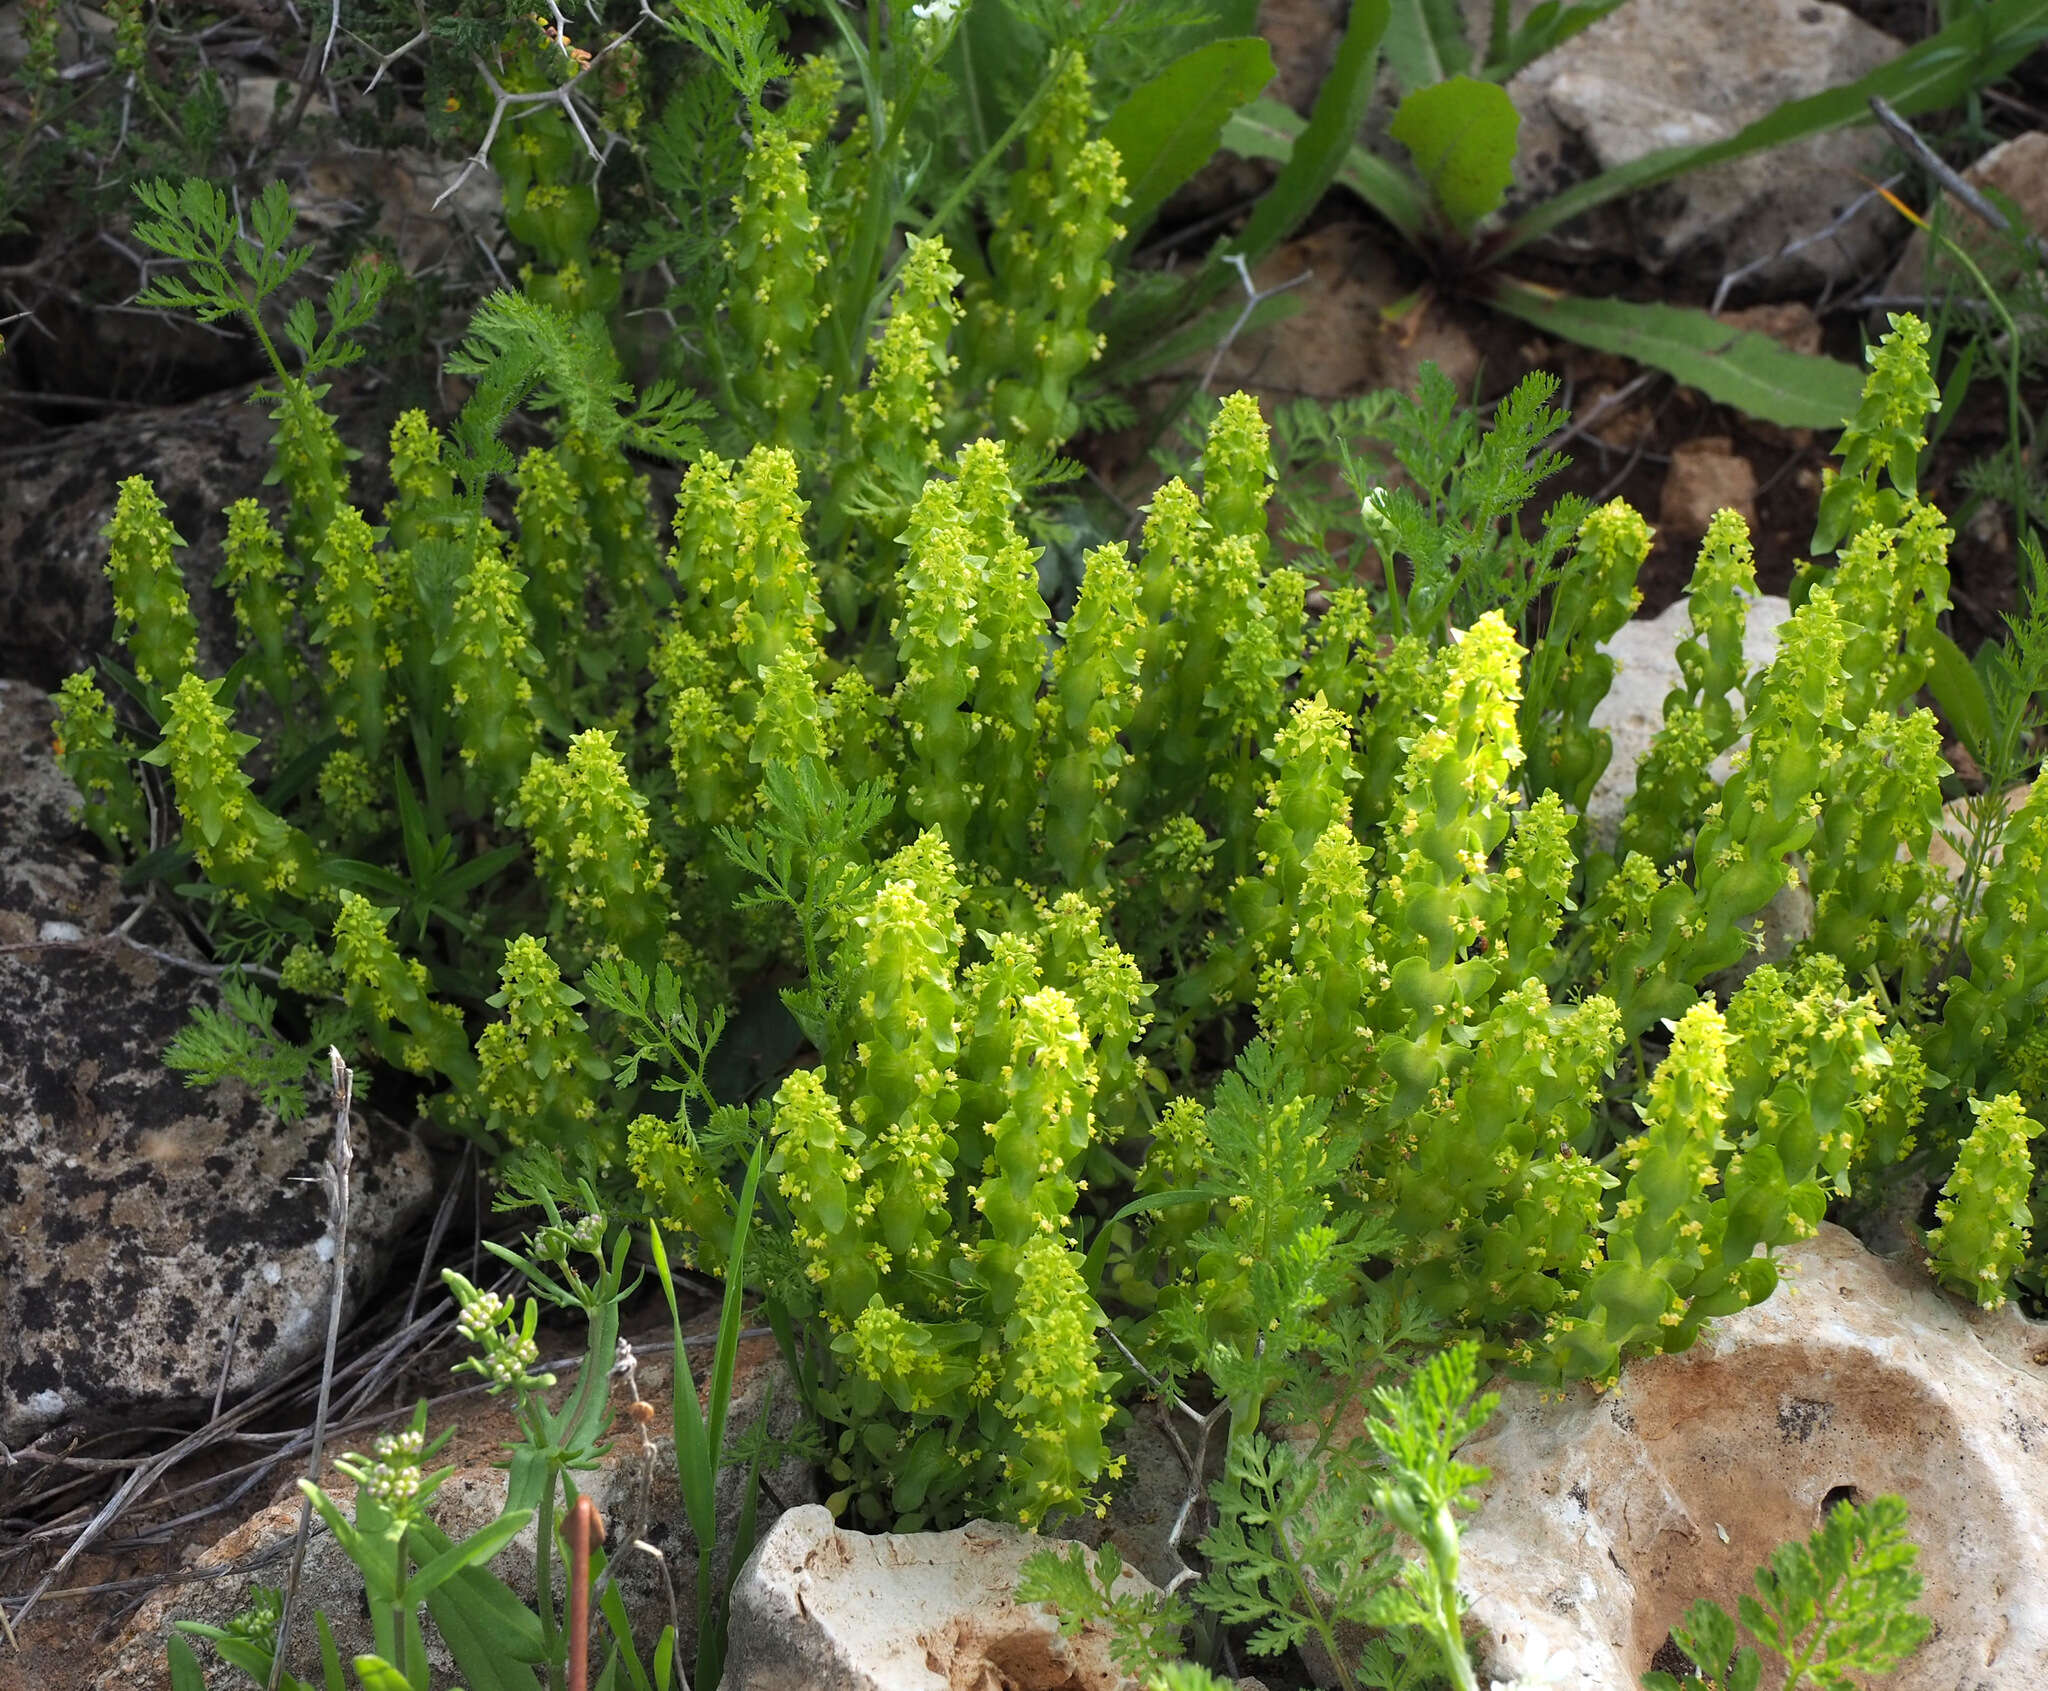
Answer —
1027 887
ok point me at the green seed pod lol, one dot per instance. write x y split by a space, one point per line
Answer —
539 1078
592 845
241 845
259 580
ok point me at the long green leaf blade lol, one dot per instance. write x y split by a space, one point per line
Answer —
726 1357
695 1468
1959 690
478 1599
474 1550
1318 151
1168 129
1426 42
1266 129
186 1673
1976 49
1733 366
613 1607
480 1650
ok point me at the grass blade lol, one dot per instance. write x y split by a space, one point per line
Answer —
694 1470
1318 151
726 1357
1266 129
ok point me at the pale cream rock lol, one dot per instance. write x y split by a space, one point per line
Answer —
1645 654
1608 1515
818 1608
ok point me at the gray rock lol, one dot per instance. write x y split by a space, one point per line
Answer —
817 1608
144 1219
634 1489
1608 1514
1674 73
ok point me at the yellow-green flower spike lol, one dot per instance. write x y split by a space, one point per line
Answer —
152 611
1985 1210
96 758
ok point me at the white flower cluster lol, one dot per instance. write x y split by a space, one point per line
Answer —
394 1478
485 1322
482 1316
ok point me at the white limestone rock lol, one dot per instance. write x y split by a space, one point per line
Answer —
818 1608
1608 1515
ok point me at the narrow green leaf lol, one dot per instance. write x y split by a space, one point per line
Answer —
340 1525
484 1657
1168 128
1956 390
529 1478
1462 135
1098 1249
613 1608
583 1418
473 1551
186 1673
1734 366
1317 150
251 1658
1543 31
695 1469
1266 129
476 871
330 1657
420 855
299 774
477 1599
1426 42
726 1357
1977 48
1959 690
1179 349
